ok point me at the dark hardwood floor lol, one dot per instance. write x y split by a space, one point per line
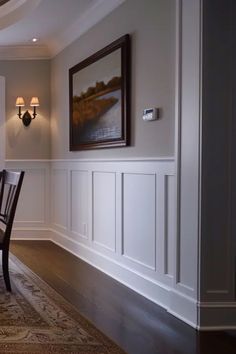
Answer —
133 322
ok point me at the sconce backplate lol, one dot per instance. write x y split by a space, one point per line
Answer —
26 119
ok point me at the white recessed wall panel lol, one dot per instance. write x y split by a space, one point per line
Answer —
104 209
60 203
79 203
139 215
32 204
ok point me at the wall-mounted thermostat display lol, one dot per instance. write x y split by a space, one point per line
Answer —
150 114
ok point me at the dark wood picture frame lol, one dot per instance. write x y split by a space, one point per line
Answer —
99 98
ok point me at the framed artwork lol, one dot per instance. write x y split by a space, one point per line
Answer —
99 98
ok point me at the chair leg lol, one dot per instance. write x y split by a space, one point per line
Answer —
5 268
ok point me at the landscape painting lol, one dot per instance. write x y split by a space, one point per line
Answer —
99 98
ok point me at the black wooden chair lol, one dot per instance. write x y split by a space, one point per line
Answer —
10 186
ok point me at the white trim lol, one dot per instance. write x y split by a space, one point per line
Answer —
128 159
183 307
24 52
27 161
182 318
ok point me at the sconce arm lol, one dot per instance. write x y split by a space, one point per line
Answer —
34 113
19 112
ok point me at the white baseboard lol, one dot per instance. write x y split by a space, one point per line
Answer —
183 307
156 292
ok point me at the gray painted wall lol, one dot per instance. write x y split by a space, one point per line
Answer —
27 78
151 24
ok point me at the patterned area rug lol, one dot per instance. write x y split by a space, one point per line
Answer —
36 319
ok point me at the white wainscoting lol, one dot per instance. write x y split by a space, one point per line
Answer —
117 212
118 215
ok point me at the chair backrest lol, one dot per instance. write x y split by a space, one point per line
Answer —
10 186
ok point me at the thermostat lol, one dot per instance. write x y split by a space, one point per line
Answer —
150 114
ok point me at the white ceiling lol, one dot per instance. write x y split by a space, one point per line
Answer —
56 23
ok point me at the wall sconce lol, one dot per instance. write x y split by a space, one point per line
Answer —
26 118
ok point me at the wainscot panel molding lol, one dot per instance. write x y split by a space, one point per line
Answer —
59 194
122 210
62 200
118 215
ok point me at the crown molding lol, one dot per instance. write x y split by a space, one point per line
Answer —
26 52
97 11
